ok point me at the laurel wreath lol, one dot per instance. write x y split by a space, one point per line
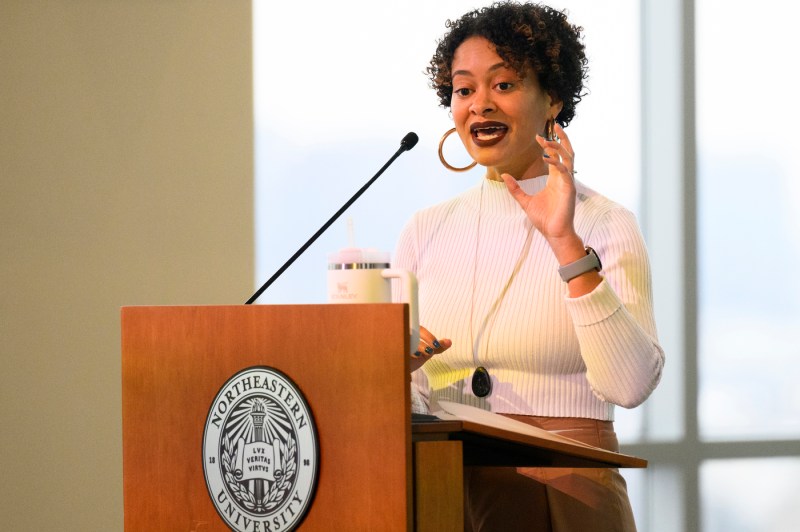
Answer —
277 492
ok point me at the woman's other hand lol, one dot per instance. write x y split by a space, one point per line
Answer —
428 347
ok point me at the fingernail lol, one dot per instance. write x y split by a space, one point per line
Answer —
436 344
417 354
428 350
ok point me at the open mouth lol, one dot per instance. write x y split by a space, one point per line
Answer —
488 133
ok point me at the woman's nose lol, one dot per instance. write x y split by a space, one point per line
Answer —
482 104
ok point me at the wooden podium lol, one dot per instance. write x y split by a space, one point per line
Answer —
350 362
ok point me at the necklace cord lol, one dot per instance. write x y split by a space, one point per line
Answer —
489 320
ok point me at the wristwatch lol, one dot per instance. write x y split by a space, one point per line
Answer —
585 264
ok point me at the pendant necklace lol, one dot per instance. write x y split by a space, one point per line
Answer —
481 380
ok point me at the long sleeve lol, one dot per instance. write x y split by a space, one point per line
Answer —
614 324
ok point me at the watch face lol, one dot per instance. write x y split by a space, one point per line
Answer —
593 253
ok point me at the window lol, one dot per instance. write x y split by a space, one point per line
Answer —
712 188
749 306
747 175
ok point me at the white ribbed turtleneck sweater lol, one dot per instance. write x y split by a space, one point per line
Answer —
490 283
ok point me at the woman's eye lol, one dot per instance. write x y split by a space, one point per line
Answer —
505 85
462 92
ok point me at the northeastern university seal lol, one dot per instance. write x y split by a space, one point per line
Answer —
260 452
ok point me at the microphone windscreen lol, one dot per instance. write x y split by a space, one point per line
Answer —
409 141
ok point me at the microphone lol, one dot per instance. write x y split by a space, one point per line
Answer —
408 142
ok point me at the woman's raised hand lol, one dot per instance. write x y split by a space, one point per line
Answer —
428 346
551 210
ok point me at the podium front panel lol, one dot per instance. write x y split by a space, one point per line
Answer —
349 362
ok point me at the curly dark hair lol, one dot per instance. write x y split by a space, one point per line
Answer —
525 35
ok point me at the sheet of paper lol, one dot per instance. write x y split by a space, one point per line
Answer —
457 411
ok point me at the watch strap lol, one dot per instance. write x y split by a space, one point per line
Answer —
584 264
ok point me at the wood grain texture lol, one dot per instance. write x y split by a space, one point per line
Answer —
438 486
348 360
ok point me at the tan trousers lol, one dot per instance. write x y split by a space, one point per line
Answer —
508 499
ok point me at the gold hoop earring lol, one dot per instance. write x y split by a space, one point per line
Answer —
441 156
550 129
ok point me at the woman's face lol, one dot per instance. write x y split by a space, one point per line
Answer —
497 114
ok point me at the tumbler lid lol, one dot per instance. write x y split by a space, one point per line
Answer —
358 258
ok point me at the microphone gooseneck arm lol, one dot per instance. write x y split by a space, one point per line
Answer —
408 142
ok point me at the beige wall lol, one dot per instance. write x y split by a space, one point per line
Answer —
126 152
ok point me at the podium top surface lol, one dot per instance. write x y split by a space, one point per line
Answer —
490 446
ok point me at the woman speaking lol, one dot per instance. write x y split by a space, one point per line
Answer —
534 290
